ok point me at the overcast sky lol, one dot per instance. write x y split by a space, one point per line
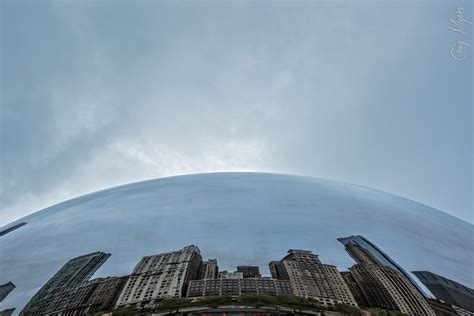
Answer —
101 93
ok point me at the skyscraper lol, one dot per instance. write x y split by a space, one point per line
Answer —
274 267
367 283
72 275
382 285
447 290
208 269
161 276
105 294
311 278
249 271
377 256
72 299
354 288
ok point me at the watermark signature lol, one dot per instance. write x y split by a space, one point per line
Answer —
459 24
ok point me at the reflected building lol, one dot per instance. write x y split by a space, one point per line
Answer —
208 269
105 294
274 267
383 284
354 288
310 278
230 275
249 271
67 285
442 308
73 299
5 289
447 290
380 257
217 287
161 276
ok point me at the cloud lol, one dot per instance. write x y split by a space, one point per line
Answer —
97 95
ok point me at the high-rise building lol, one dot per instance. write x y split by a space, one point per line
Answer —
447 290
88 297
309 277
208 269
105 294
373 291
161 276
274 269
383 286
354 288
215 287
377 255
5 289
71 276
72 299
249 271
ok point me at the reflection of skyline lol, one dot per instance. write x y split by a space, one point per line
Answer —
370 283
157 216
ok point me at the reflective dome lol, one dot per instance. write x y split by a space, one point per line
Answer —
238 218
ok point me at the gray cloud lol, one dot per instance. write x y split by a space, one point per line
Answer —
96 95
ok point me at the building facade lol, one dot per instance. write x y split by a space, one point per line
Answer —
377 255
5 289
72 300
217 287
310 278
90 297
161 276
447 290
105 294
249 271
383 286
72 277
209 269
274 267
371 288
354 288
230 275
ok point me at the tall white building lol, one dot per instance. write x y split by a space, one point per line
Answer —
161 276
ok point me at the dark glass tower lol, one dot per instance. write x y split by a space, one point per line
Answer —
377 254
447 290
73 274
